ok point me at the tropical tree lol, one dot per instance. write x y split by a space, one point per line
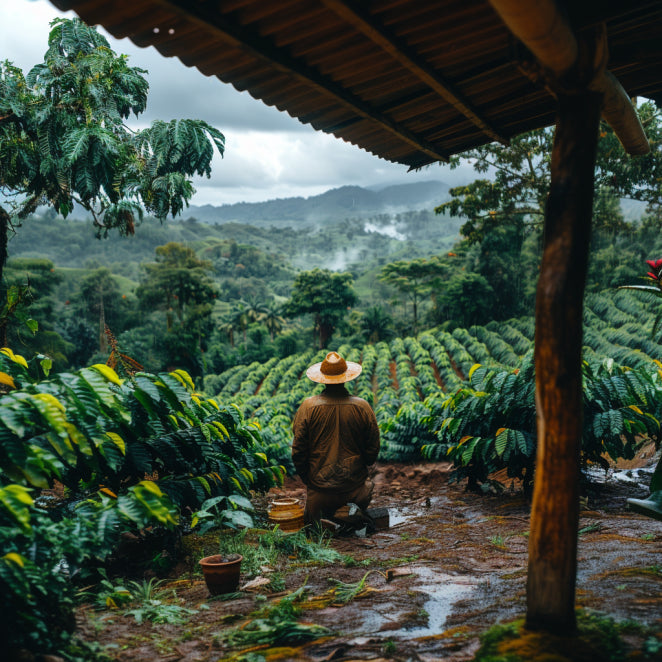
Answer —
240 318
228 328
467 298
377 325
519 180
505 206
26 316
64 142
100 301
326 295
272 319
414 278
179 285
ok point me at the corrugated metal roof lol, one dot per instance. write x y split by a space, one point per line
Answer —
412 82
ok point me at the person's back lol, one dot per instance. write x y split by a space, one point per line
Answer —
336 439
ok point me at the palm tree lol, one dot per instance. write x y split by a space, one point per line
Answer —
240 318
254 308
272 319
228 328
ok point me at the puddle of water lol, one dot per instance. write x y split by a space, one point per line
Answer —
404 514
399 515
444 591
641 476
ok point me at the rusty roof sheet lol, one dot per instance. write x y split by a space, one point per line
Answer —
412 82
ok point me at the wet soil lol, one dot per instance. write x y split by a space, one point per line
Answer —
451 564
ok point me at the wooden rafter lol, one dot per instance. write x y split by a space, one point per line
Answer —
267 52
399 51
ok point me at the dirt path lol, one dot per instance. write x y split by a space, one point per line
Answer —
452 564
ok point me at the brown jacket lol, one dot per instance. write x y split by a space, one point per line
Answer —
336 438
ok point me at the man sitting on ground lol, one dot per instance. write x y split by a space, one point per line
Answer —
336 439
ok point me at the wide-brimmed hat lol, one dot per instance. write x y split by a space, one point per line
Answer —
333 370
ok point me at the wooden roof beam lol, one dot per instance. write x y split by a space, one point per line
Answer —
543 29
211 20
403 54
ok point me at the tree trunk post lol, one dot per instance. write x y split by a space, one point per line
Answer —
558 344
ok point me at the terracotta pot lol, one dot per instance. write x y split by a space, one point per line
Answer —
221 573
287 513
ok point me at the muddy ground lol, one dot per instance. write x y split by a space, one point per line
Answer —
456 562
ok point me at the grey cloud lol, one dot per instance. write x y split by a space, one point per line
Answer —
268 153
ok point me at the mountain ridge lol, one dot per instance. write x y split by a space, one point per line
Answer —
341 202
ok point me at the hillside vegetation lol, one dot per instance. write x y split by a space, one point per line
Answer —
420 385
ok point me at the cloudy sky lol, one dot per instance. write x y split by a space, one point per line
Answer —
268 153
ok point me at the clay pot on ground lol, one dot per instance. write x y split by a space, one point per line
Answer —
221 572
287 513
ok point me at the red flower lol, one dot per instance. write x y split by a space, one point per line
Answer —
651 263
651 275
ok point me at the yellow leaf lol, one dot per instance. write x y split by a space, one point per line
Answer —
195 399
110 493
15 558
194 521
214 404
184 378
108 373
248 474
262 456
49 400
222 428
474 367
464 439
237 483
110 603
635 408
7 379
499 431
16 358
151 486
117 440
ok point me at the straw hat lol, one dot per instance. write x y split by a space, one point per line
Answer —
333 370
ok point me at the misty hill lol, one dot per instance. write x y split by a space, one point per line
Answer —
343 202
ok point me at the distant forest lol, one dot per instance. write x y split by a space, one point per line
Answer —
409 270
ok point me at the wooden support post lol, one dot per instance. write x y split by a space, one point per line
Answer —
558 343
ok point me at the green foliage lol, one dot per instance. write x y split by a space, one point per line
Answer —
157 611
212 514
39 558
100 435
491 424
409 380
414 279
325 295
621 406
66 141
90 430
276 625
488 426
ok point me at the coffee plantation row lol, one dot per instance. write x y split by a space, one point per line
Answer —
432 402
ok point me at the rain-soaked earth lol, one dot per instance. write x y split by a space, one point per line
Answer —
451 564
